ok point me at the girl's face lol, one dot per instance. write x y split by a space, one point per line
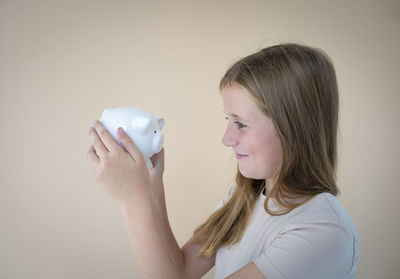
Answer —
251 134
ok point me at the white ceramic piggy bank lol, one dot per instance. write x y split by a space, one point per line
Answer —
143 128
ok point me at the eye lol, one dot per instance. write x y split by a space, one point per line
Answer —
240 125
155 132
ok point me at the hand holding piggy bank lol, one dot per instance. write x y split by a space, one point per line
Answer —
143 128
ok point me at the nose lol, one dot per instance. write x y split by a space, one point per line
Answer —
229 138
158 142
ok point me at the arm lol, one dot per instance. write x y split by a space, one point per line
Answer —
141 195
185 260
248 271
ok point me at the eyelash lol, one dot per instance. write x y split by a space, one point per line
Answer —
240 125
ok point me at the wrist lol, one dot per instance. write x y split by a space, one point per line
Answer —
140 196
156 186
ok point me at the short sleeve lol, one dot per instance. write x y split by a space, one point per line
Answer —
310 251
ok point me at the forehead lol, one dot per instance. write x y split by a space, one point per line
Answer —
237 102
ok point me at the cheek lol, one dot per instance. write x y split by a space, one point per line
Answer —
276 153
269 153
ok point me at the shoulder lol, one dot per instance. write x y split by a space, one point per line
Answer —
324 208
323 211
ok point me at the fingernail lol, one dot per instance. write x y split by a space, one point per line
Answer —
121 131
94 122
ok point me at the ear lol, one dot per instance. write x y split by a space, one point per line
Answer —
104 113
161 121
141 124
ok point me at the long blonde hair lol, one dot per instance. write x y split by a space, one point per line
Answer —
296 87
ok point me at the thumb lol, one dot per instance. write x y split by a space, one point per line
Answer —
158 161
128 144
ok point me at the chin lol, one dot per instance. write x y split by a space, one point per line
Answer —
254 173
250 173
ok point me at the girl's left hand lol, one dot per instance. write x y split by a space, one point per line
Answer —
123 174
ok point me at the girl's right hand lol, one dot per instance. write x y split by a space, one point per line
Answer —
123 173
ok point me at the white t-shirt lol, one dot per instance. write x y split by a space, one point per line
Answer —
316 240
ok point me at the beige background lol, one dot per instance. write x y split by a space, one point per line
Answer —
63 62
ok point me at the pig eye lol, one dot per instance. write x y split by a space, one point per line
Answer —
155 132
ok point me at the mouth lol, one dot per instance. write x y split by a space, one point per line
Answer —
240 156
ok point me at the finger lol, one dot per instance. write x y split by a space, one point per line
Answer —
97 143
109 142
129 145
158 160
92 156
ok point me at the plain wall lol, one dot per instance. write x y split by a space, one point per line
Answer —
63 62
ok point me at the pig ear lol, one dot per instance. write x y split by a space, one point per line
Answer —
104 113
161 121
141 124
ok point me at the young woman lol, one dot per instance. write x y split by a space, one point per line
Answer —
282 218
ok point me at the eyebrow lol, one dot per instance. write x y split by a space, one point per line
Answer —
237 116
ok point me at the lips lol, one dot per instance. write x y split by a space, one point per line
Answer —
240 156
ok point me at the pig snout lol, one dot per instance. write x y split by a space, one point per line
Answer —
158 141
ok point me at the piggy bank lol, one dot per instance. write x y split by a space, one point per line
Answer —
142 127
